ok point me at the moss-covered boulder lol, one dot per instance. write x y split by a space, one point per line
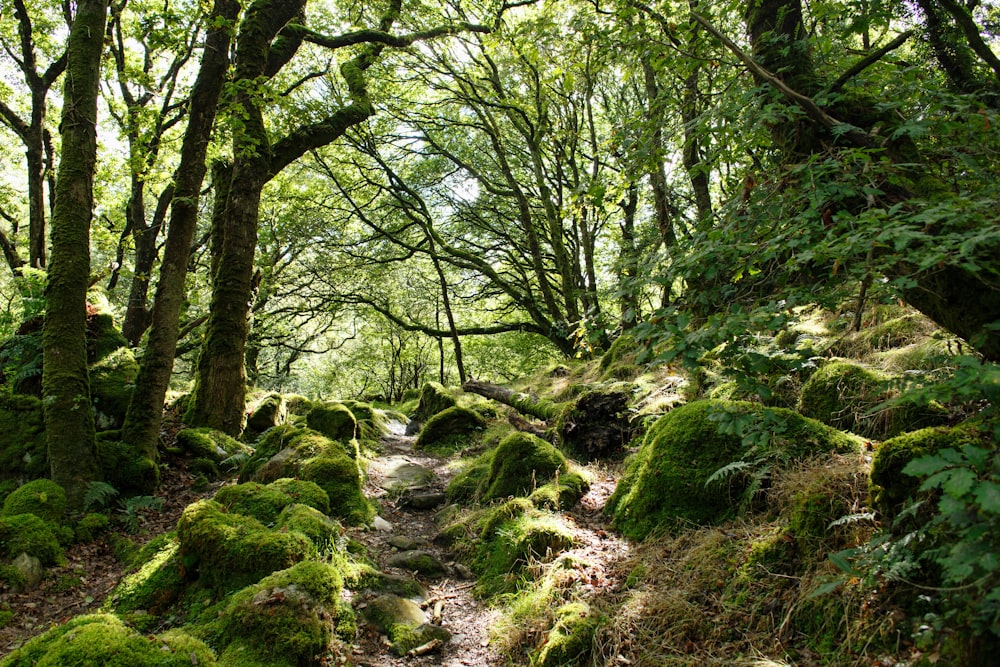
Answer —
297 405
433 399
285 619
265 503
230 551
510 537
103 639
372 424
155 583
666 483
267 413
288 451
450 429
334 420
23 455
27 533
41 497
321 530
111 382
570 640
563 491
403 622
208 443
890 487
847 396
515 467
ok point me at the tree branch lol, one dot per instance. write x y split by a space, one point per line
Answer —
869 60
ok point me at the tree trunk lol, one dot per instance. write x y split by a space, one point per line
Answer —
523 403
145 411
69 417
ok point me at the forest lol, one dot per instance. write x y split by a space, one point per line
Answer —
499 332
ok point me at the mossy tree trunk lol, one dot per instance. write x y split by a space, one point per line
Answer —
142 421
69 417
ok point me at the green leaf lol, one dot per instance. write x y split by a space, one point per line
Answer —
924 466
987 495
959 482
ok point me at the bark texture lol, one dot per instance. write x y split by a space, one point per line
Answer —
69 418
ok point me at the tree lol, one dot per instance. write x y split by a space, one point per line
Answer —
270 35
33 131
69 420
142 421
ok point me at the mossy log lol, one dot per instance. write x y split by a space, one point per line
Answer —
523 403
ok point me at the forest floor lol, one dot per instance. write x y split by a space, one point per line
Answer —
93 569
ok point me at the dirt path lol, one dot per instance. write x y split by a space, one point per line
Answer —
460 613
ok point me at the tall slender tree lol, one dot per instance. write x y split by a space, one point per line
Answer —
69 419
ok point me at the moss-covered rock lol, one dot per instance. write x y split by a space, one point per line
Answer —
310 456
665 484
334 420
124 466
23 453
267 413
297 405
91 526
285 619
563 491
371 422
569 641
433 399
890 488
516 467
511 536
41 497
321 530
112 380
103 639
27 533
230 551
155 584
403 622
846 396
450 429
208 443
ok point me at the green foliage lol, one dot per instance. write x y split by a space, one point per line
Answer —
125 467
23 454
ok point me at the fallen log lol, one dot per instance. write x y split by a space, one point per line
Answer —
523 403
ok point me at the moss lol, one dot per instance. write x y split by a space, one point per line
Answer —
569 641
269 411
303 492
210 444
507 545
270 443
297 405
371 422
286 617
263 503
103 337
112 380
665 483
519 464
450 429
471 480
321 530
205 469
124 466
564 491
846 396
230 551
41 497
338 476
91 526
890 488
23 454
433 399
27 533
624 348
157 582
102 639
334 420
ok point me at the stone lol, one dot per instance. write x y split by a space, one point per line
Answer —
420 561
406 543
31 571
401 474
403 622
425 501
378 523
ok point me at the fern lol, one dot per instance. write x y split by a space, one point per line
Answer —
99 496
133 508
235 462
